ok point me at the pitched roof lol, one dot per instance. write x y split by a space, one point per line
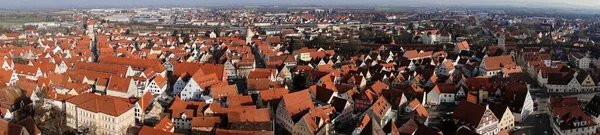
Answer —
469 112
570 114
498 109
239 100
101 103
463 45
119 84
444 88
101 68
9 128
160 81
380 107
274 94
249 115
146 130
592 108
205 121
145 103
220 131
165 124
499 62
136 64
30 125
206 80
224 91
298 102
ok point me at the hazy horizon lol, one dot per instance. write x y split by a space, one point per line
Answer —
32 4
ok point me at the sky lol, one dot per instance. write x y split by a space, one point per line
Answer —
28 4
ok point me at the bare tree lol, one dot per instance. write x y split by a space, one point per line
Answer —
50 119
89 129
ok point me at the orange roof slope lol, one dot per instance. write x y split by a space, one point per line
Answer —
101 103
298 102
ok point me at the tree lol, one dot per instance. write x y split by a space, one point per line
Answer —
174 33
88 129
127 32
321 42
351 48
296 44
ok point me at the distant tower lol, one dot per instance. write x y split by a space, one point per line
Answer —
249 35
501 42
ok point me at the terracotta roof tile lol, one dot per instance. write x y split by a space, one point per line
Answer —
151 131
101 103
220 131
205 121
249 115
30 125
298 102
165 124
224 91
239 100
274 94
499 62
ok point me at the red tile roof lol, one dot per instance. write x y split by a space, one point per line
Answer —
274 94
165 124
9 128
30 125
499 62
136 64
224 91
101 103
205 121
249 115
468 112
151 131
298 102
119 84
220 131
239 100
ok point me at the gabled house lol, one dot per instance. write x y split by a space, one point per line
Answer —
505 116
476 117
593 108
197 85
460 46
586 83
343 110
5 114
8 77
441 93
381 111
568 117
292 108
143 105
29 72
317 121
182 112
493 65
9 128
121 87
157 85
445 68
580 60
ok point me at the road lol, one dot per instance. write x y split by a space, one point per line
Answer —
535 125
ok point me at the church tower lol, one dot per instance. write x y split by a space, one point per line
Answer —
249 35
501 42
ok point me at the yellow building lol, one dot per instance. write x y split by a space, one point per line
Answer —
109 115
505 116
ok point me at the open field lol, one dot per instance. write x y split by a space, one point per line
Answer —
19 21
